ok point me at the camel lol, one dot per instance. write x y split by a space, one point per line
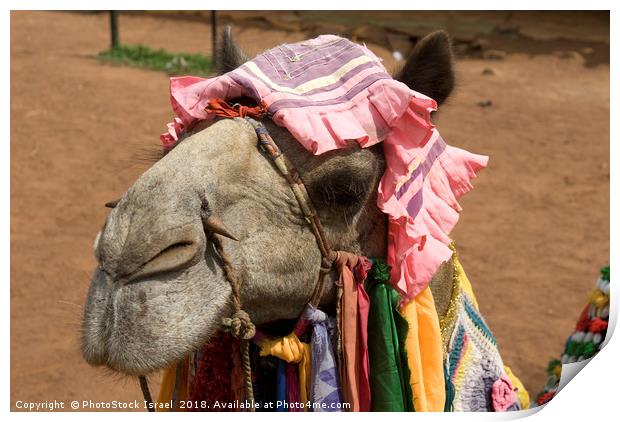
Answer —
159 292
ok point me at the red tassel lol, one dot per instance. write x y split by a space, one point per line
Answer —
584 320
213 372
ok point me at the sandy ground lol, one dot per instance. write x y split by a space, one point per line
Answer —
532 237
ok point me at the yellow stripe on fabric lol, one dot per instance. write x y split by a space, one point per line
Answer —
464 366
292 350
313 84
522 394
410 168
424 353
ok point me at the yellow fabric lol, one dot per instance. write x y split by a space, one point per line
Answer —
522 394
167 387
166 390
424 353
292 350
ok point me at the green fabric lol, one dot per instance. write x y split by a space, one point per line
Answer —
448 407
380 271
605 273
387 331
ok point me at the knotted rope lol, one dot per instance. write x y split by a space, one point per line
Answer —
239 325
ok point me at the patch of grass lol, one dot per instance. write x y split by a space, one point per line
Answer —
160 60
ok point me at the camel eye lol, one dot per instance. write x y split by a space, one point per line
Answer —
341 191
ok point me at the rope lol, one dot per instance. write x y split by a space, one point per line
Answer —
144 386
239 325
290 173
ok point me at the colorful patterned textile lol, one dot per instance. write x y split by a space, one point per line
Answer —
324 390
328 91
586 341
473 363
208 376
290 349
519 389
306 373
403 374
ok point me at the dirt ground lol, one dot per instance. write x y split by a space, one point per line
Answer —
532 237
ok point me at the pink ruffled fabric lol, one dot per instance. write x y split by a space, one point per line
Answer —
424 176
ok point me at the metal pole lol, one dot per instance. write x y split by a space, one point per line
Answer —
114 28
214 37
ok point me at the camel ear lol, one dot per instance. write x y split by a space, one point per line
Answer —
228 56
428 69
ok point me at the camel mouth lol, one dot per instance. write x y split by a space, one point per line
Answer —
141 327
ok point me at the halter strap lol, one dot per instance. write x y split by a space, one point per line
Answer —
290 173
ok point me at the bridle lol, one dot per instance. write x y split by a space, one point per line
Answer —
286 169
240 324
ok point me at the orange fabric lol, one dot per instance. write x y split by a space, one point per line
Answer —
168 384
424 353
167 388
348 333
354 308
220 107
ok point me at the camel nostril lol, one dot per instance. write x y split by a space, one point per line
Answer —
175 257
174 248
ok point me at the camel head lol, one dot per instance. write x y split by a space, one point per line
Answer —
159 292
